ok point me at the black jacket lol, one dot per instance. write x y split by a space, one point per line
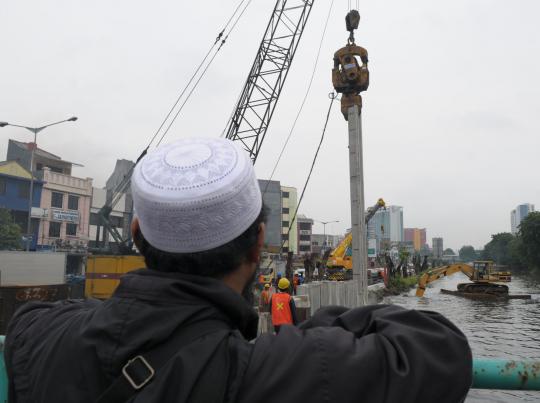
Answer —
70 351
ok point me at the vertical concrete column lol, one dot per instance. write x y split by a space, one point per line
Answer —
358 225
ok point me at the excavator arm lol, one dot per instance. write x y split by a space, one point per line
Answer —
435 274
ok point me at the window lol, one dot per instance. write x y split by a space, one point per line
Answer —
285 195
73 202
57 200
24 190
39 167
285 210
305 248
54 229
94 219
71 229
305 237
285 224
284 237
304 226
117 222
2 186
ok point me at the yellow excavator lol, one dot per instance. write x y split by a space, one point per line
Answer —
483 278
339 263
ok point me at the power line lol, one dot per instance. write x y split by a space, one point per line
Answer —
303 100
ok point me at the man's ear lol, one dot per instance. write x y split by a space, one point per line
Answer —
135 233
256 256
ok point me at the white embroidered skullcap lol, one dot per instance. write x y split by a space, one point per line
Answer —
195 194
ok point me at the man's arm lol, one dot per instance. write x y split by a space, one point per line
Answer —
292 305
378 353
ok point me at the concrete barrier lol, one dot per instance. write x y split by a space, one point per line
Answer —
343 293
317 294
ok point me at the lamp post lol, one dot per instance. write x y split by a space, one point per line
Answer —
34 130
324 231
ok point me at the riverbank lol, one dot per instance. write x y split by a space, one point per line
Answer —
398 285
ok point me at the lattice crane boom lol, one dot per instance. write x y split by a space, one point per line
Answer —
268 73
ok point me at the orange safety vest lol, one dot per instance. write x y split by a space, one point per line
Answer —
281 309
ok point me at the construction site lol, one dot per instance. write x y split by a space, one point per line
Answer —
75 240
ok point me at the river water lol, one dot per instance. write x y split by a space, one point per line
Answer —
503 329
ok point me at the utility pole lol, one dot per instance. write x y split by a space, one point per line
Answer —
349 78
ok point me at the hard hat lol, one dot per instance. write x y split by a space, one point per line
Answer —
284 284
267 286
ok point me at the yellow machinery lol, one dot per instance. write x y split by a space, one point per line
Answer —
339 262
103 273
481 273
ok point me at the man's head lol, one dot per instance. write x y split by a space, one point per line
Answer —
199 209
284 284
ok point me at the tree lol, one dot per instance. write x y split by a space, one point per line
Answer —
10 233
499 249
467 253
449 251
529 240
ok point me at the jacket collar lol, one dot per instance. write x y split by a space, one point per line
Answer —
227 304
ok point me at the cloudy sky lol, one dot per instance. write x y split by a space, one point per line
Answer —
451 118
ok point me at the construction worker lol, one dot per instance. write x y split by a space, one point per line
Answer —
296 282
264 301
183 330
283 307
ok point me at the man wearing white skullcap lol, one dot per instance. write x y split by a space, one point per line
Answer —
179 330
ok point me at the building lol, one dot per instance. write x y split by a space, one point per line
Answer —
415 236
15 196
437 248
289 202
271 195
322 242
386 227
65 199
305 226
518 214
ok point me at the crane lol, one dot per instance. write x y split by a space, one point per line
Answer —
248 124
255 106
339 262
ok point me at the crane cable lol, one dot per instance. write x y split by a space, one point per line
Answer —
124 183
216 41
303 101
223 41
333 97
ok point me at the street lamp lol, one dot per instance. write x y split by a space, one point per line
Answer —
324 231
34 130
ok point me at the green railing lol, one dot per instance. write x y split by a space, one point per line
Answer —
506 374
487 374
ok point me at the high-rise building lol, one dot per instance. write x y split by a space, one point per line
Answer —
437 246
518 214
289 201
415 236
387 225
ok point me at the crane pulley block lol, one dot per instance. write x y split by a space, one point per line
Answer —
349 77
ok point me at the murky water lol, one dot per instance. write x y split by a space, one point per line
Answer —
502 329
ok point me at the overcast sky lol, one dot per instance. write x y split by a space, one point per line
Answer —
451 118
